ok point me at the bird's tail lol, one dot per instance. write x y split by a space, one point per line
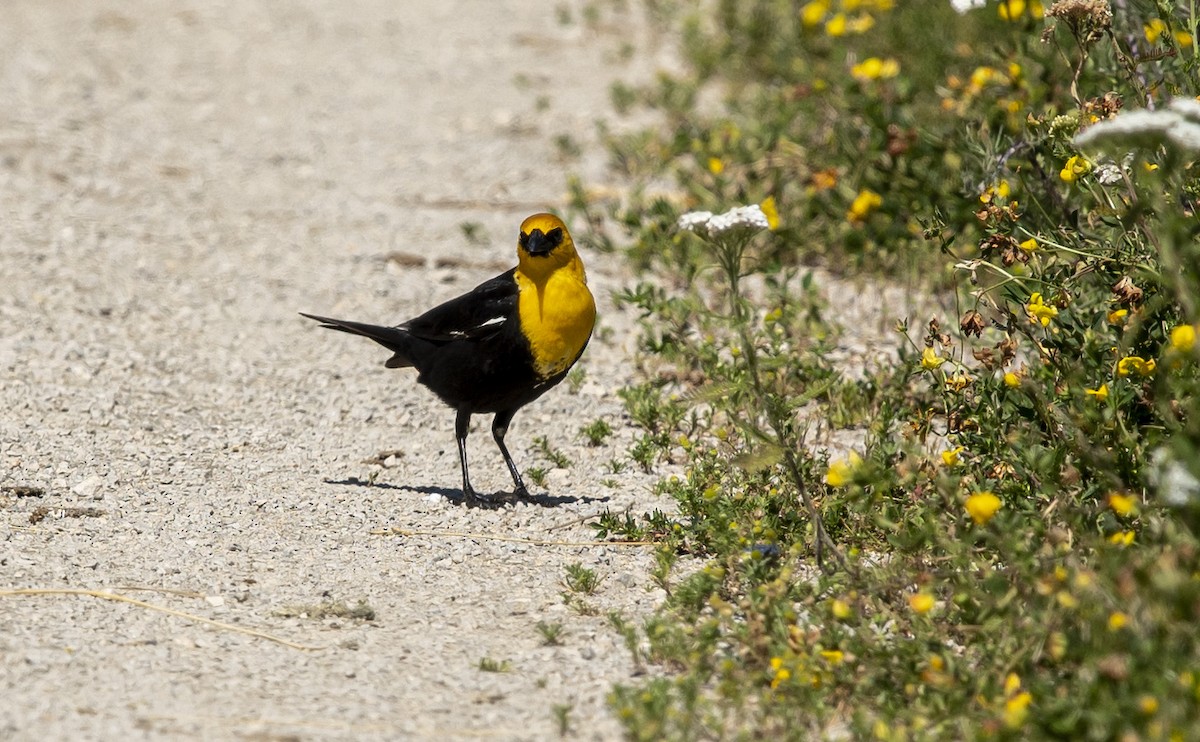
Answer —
394 339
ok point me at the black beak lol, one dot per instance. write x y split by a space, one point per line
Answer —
539 243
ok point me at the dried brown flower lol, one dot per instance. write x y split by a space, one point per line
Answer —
1126 292
899 140
985 356
1008 349
995 214
1104 107
935 334
1006 247
972 323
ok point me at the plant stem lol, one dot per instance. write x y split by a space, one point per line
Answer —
731 261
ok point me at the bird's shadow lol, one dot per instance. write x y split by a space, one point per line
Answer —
455 496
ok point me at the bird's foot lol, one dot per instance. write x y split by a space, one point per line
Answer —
520 493
473 499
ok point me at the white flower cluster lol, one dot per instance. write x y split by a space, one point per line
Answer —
695 221
749 218
1177 125
1176 485
962 6
1108 174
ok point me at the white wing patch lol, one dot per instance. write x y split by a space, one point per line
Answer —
477 328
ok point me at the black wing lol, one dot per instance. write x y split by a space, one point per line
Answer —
479 313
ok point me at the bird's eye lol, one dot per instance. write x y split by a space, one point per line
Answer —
555 237
523 240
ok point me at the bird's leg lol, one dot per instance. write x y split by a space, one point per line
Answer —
462 426
499 430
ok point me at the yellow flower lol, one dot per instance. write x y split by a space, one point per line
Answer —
921 602
1183 338
981 76
1011 10
771 212
1148 705
864 203
1121 504
1100 393
1155 29
950 457
1130 365
930 360
836 26
841 609
958 382
813 13
841 471
1000 190
1039 311
1117 621
1029 245
981 506
1012 380
1016 709
860 24
833 656
1012 683
1076 167
716 165
1121 538
779 673
874 68
1056 645
1117 316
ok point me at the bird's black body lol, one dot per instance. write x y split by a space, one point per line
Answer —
469 351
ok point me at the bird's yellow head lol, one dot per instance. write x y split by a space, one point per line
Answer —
545 246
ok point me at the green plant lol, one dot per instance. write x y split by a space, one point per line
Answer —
487 664
596 432
562 717
580 579
537 475
575 378
1015 525
646 450
474 232
551 633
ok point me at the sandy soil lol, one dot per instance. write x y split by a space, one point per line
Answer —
177 180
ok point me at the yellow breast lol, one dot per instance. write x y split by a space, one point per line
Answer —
557 315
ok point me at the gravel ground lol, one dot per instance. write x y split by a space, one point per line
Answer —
177 180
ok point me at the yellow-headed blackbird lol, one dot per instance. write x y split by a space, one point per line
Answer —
504 343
